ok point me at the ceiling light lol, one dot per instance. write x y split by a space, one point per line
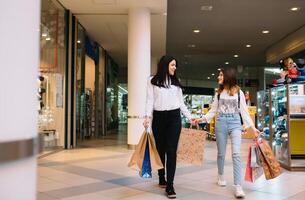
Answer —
78 41
213 74
206 8
295 9
248 45
44 34
48 38
235 56
227 63
191 45
265 31
196 31
219 69
208 77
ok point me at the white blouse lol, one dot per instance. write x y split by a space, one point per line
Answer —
164 99
229 105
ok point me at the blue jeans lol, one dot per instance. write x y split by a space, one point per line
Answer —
229 125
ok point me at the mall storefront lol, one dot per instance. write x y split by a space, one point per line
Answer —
77 82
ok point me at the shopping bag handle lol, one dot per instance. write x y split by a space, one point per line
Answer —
258 140
148 130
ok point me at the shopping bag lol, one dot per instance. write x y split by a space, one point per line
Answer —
257 172
146 166
269 163
254 157
252 173
248 174
191 146
145 157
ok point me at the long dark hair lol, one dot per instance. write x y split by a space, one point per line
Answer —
162 77
229 81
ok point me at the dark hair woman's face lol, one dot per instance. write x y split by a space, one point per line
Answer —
172 67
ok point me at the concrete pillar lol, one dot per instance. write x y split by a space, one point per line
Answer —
139 55
19 57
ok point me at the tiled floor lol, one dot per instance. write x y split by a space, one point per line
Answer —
101 172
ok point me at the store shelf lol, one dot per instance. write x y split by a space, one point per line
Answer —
286 127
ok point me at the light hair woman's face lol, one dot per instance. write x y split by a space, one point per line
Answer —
220 78
172 67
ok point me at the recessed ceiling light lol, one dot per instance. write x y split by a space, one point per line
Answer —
78 41
196 31
44 34
213 74
191 45
265 31
208 77
235 56
248 45
206 8
227 63
218 69
295 9
48 38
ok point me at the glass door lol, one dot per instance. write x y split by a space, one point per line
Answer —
80 84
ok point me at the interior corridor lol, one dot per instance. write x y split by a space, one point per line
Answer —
101 173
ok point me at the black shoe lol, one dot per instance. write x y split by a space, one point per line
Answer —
170 191
162 182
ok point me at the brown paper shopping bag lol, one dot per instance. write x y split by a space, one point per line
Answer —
191 146
269 163
137 157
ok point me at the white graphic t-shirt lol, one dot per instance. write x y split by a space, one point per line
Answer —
229 105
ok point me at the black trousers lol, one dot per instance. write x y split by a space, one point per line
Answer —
166 127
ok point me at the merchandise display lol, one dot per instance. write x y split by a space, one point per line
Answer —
263 113
292 72
279 123
284 108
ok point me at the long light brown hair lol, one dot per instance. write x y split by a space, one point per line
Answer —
229 81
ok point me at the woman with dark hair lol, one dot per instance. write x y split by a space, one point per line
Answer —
163 104
230 104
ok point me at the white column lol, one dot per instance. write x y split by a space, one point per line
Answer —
19 60
139 53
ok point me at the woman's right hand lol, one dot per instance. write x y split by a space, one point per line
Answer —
146 122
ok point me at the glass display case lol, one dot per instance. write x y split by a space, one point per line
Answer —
296 101
263 116
296 118
279 129
287 122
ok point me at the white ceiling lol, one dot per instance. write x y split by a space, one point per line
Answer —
226 30
106 21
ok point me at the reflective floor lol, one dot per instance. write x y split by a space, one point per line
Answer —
101 172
